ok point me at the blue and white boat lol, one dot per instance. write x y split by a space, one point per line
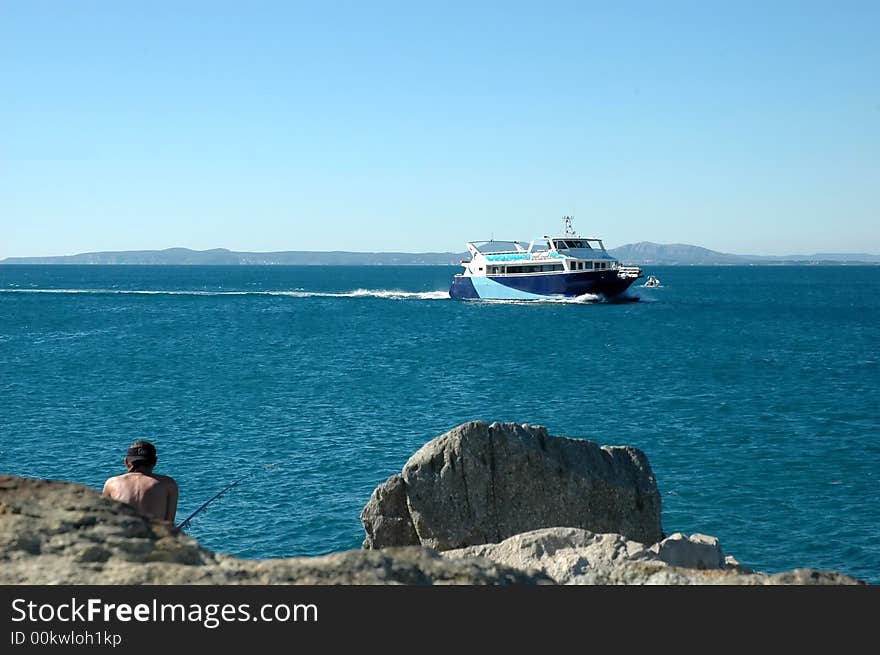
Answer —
566 266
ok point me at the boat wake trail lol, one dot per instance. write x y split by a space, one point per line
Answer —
367 293
387 294
391 294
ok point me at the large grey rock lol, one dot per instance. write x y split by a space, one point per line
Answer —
698 551
481 483
578 557
63 533
388 515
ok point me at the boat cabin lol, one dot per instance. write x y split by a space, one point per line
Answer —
559 255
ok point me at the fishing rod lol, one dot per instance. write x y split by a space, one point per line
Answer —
185 522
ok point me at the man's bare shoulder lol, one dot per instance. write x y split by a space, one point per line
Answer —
112 482
166 480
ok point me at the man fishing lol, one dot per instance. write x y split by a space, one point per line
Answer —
151 494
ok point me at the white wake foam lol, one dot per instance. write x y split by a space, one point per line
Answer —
586 298
295 293
365 293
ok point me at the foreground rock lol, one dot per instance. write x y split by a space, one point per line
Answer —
63 533
580 557
481 483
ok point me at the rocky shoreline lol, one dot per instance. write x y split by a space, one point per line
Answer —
481 504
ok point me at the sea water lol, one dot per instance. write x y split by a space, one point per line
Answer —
754 392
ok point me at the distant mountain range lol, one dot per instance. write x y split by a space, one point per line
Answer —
222 256
679 254
643 253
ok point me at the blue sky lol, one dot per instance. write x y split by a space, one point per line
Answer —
742 127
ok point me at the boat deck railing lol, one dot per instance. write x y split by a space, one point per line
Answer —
628 271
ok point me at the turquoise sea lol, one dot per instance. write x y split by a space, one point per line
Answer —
754 391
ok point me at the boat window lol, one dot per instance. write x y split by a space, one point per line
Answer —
538 268
560 245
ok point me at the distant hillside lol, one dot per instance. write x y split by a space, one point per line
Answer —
221 256
679 254
675 254
827 257
643 254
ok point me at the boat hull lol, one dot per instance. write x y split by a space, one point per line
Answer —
539 287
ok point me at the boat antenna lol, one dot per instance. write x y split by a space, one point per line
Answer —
568 230
186 521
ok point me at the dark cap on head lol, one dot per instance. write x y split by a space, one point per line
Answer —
142 451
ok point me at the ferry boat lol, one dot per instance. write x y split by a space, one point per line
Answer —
565 266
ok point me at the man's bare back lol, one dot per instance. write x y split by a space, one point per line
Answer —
151 494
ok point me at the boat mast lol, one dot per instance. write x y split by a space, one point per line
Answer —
567 228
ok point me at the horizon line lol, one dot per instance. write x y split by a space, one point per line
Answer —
409 253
